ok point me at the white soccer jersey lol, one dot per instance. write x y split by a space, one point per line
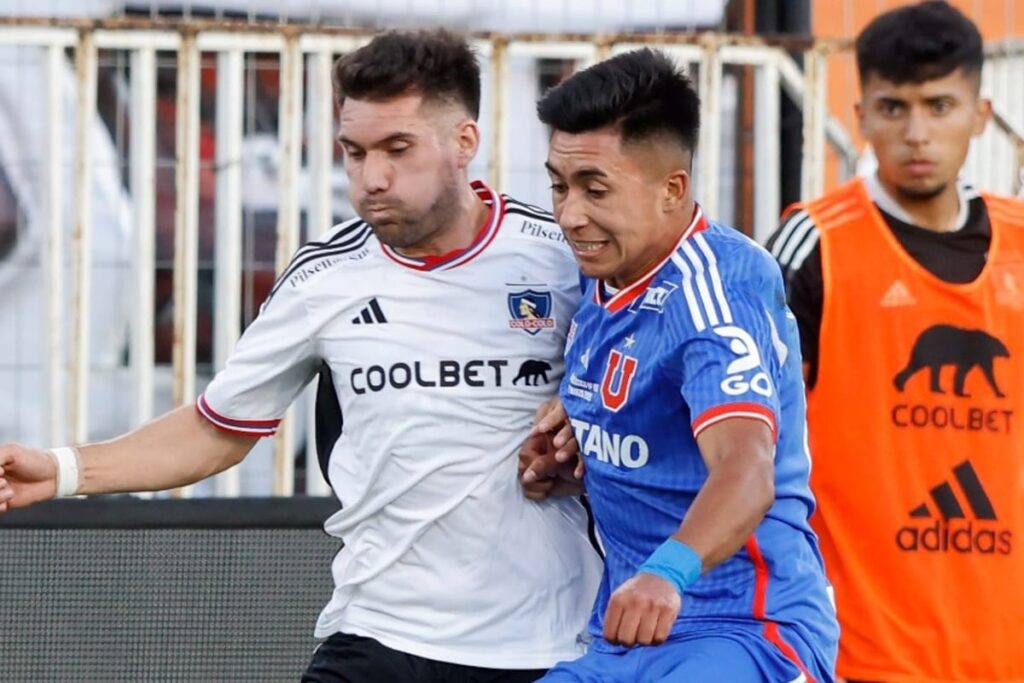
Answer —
439 366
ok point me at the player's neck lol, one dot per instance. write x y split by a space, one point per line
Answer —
455 231
671 235
939 213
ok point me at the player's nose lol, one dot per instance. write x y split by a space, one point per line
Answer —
571 215
377 174
918 129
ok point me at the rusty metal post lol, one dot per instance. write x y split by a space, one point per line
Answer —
186 226
228 225
143 179
53 259
709 149
814 109
320 212
499 136
81 236
290 139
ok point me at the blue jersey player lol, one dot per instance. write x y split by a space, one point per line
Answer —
684 391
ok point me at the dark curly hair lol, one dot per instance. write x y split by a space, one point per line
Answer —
437 64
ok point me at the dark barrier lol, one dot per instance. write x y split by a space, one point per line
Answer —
119 589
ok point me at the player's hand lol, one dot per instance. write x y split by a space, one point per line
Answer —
551 452
642 611
547 477
552 419
27 476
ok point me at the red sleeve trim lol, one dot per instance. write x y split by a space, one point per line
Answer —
760 608
236 425
754 411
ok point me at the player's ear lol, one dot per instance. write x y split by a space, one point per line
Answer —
982 115
467 139
676 190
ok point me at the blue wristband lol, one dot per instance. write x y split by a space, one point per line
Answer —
676 562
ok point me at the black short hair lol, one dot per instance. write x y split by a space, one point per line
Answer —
642 91
438 64
919 43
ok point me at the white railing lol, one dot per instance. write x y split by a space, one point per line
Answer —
996 162
511 158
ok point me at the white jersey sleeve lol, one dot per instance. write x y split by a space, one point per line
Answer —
275 358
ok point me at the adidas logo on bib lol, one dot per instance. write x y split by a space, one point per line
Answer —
898 295
956 529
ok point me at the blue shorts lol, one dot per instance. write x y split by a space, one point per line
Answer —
732 656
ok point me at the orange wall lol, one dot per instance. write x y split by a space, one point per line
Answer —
996 19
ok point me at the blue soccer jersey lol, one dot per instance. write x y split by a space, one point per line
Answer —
704 337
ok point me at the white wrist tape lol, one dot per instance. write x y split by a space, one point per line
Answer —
67 471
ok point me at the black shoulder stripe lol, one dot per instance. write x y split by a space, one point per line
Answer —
343 242
338 251
344 238
355 242
345 230
791 242
777 241
528 209
515 211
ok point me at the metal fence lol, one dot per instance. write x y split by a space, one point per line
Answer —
301 56
996 160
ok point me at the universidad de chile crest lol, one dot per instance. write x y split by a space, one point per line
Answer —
531 311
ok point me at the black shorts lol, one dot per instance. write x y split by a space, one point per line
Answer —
345 658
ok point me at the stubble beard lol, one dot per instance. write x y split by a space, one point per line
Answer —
411 231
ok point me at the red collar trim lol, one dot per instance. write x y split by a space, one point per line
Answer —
458 257
627 294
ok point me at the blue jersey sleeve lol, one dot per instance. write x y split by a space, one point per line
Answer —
730 361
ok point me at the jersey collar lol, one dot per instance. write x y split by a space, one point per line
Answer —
458 257
624 296
885 201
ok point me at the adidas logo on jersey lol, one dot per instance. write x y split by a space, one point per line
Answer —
370 314
956 531
898 295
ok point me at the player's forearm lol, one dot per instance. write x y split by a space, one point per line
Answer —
177 449
729 507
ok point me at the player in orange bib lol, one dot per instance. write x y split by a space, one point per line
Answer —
908 287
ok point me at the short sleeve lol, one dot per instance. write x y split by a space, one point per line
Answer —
796 246
274 359
730 368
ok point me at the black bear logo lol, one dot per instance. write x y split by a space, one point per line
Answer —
532 371
942 345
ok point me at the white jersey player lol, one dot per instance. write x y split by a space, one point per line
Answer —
438 374
441 314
